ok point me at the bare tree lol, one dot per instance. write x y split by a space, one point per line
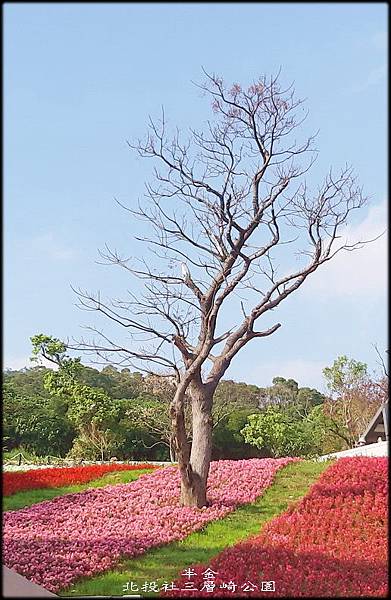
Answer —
221 206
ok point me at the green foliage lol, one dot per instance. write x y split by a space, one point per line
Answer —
307 398
91 405
48 346
138 442
286 395
25 395
93 443
237 395
11 400
227 440
117 384
354 399
133 426
290 384
45 433
28 382
90 410
344 374
36 422
91 413
266 431
283 433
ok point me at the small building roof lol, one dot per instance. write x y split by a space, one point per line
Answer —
379 423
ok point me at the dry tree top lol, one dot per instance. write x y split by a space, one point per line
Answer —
222 204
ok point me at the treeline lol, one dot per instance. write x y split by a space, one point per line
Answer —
132 414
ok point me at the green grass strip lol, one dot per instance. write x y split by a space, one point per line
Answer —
165 563
29 497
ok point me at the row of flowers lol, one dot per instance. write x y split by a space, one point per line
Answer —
332 543
55 542
60 477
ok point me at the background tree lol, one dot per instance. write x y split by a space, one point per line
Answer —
286 393
32 419
344 374
37 422
11 403
28 382
282 392
222 206
227 441
354 399
117 383
90 410
236 395
281 431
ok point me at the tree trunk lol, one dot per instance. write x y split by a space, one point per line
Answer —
172 451
193 488
180 443
193 463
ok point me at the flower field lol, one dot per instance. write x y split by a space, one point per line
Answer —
60 477
55 542
332 544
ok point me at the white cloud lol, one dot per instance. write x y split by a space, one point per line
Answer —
361 272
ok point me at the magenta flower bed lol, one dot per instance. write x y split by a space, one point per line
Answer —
55 542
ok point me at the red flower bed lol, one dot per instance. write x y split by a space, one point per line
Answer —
333 543
60 476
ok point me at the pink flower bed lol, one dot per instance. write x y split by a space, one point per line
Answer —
55 542
331 544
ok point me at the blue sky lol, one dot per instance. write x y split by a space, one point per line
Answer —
80 79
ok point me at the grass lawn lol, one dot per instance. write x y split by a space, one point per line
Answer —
165 563
29 497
